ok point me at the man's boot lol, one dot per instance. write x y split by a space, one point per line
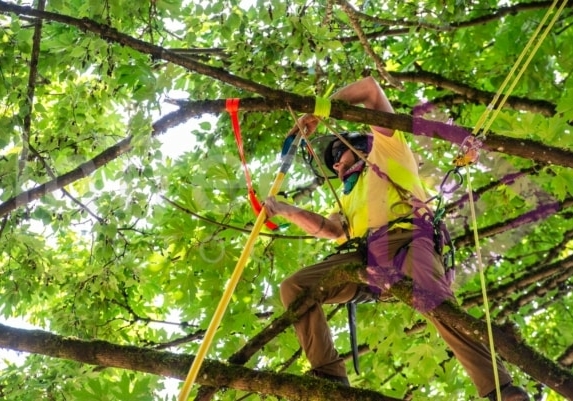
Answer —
336 379
510 392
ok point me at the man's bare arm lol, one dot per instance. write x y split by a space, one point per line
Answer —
313 223
368 93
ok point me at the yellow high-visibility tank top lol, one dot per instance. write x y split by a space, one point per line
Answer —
372 203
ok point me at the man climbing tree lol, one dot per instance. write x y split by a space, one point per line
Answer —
382 206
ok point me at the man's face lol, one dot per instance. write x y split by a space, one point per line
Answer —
343 159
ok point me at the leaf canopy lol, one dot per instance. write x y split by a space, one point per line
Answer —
106 236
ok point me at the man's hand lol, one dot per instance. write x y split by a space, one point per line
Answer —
273 207
313 223
308 123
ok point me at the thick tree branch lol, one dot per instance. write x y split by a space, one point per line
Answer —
516 147
85 169
298 308
111 34
105 354
507 345
525 148
216 374
157 52
474 95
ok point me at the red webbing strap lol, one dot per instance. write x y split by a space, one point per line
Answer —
232 107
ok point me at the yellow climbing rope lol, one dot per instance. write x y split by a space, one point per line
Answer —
510 75
482 127
234 280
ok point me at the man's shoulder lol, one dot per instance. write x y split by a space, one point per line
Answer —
395 143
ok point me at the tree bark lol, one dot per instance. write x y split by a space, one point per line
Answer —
507 343
217 374
517 147
168 364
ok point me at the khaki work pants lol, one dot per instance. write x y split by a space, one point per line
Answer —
419 262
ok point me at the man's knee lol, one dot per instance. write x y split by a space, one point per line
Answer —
289 291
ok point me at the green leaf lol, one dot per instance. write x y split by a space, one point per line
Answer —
563 184
565 106
233 22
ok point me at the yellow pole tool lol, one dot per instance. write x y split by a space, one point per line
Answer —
232 284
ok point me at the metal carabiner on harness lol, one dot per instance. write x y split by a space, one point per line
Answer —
458 181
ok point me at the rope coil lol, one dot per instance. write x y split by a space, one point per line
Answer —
322 107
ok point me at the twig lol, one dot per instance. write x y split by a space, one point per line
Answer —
230 227
364 41
31 89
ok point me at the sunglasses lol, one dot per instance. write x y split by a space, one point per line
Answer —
337 152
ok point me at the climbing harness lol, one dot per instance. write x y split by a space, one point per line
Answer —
434 216
421 214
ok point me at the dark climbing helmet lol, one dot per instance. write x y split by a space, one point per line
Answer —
336 148
330 148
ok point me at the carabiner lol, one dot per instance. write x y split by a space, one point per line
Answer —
459 180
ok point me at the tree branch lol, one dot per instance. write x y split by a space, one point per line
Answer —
507 179
532 277
509 347
517 147
494 15
215 374
540 213
474 95
556 282
230 227
352 17
105 354
85 169
109 33
31 90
